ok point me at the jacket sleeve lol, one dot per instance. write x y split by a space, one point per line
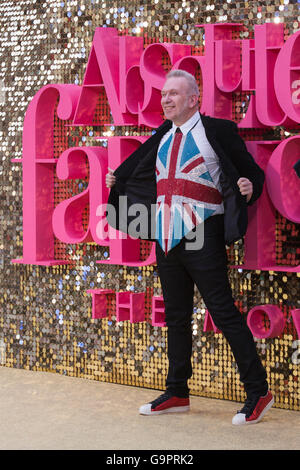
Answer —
243 161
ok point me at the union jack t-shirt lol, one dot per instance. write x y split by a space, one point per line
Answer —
188 188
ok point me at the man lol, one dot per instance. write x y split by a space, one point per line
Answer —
200 164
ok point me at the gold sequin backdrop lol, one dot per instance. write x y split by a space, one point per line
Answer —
46 315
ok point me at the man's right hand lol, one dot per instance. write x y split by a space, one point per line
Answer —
110 179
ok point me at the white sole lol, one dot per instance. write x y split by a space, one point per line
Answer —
175 409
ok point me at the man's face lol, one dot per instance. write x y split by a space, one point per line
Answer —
177 102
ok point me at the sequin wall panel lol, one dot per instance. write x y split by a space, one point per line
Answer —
49 321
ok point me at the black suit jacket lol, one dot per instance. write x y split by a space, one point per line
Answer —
136 179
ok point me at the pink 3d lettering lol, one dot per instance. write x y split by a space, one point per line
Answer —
296 318
282 182
130 77
257 322
158 311
130 306
131 82
101 77
38 170
269 38
286 77
250 119
260 239
280 192
215 101
209 323
99 302
264 321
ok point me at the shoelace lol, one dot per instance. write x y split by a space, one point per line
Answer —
164 397
249 405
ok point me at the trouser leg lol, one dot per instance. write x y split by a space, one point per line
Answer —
208 269
178 293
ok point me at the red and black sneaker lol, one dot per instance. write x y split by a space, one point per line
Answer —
254 409
165 403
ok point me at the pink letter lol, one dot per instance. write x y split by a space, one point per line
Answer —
260 239
257 322
215 102
296 318
38 170
99 302
131 83
67 216
130 306
286 77
158 311
209 324
250 120
102 77
269 38
228 65
282 181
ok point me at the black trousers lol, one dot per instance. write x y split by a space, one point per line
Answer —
206 268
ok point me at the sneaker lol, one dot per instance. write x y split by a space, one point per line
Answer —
165 403
254 409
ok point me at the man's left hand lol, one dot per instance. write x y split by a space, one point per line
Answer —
246 187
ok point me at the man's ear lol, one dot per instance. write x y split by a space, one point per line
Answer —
194 100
